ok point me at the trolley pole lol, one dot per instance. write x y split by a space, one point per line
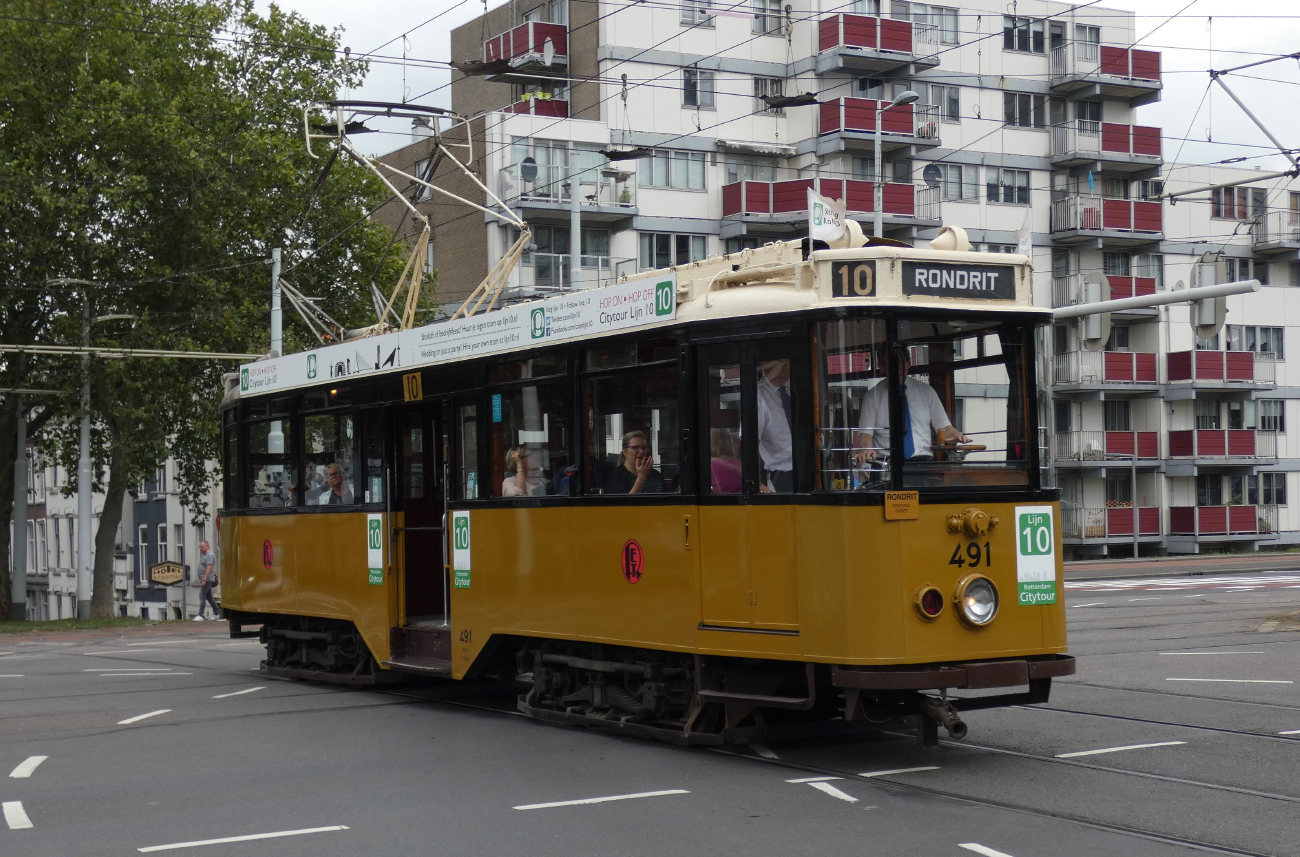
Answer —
275 437
575 222
85 479
18 575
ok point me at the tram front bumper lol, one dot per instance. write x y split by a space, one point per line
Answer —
1036 672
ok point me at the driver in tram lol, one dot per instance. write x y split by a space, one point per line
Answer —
923 415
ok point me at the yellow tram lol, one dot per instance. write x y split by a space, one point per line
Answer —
674 506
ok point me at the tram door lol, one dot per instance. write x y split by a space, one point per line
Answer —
749 562
421 478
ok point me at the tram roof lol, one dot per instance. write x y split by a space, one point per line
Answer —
771 280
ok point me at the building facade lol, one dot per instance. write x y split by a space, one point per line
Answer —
1026 121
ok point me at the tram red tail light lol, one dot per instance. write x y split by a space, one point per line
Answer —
929 602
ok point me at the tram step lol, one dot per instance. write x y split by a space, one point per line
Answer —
418 643
423 666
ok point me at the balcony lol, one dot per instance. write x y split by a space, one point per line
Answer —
1088 368
1088 69
552 108
1222 520
1107 523
863 43
1106 445
1117 148
1068 290
1079 218
786 203
851 123
525 47
607 195
1276 232
1223 444
1214 368
552 275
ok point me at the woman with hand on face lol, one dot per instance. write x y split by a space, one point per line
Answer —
523 479
635 473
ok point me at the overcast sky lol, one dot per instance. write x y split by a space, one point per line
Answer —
1239 31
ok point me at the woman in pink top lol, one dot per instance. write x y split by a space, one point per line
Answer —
521 479
724 466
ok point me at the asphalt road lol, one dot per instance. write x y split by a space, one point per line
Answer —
168 736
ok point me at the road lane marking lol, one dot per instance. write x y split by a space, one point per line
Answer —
128 721
1211 653
240 643
141 675
1152 598
1238 680
128 670
1089 604
163 642
16 816
11 675
123 652
899 771
982 849
24 770
248 838
834 792
814 779
588 800
1290 732
249 690
1117 749
763 751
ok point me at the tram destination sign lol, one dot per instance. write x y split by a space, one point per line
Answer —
943 280
637 303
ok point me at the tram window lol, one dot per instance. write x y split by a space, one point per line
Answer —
372 436
530 440
328 442
273 476
266 408
850 366
522 370
467 450
413 455
981 364
230 478
724 429
631 354
632 425
319 400
775 425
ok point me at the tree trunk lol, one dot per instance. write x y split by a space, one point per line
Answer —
101 600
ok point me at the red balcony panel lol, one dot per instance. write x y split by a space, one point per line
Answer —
899 199
1209 365
1180 366
1120 287
1144 285
1148 217
1241 442
1119 443
1211 519
1145 65
1243 519
1114 138
1182 520
758 197
525 39
860 114
1239 365
1149 521
896 36
1182 444
790 196
1144 368
1117 214
1119 521
1146 141
1118 366
1148 444
552 108
860 195
859 31
1211 442
731 199
829 116
828 32
1114 61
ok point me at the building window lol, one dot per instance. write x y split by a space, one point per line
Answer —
664 249
1207 343
1112 188
767 16
1273 488
421 171
767 86
751 168
744 242
1087 35
1024 110
948 99
162 543
1245 269
1008 186
1119 491
1209 489
1207 415
1089 111
697 88
1119 338
865 7
1272 415
696 13
1244 337
1238 203
1150 265
550 260
1116 264
959 181
1118 415
674 169
1023 34
178 543
1061 416
42 548
559 12
942 17
142 554
1151 190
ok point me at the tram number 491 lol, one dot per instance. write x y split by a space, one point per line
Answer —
853 279
972 555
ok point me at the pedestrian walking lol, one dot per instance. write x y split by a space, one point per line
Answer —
208 563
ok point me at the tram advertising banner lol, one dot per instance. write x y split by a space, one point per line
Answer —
1035 555
637 303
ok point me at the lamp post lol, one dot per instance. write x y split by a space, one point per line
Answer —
877 196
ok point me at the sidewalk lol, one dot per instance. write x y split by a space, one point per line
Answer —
1182 565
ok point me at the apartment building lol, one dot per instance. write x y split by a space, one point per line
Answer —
1025 119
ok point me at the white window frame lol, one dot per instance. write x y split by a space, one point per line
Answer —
704 83
696 13
948 99
998 176
772 86
769 17
964 179
664 164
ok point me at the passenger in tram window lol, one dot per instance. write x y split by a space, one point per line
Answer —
635 473
523 475
775 421
340 487
724 465
923 415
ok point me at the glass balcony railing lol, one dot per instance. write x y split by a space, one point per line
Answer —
551 273
597 188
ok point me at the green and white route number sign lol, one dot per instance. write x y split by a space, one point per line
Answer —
375 548
1035 555
460 556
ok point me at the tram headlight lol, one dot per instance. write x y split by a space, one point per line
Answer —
928 602
976 600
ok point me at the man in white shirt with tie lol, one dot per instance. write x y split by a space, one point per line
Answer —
923 415
775 420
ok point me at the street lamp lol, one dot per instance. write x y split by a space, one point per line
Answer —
877 197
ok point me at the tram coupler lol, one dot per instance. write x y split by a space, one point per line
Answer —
938 711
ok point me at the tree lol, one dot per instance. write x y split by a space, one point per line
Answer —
155 147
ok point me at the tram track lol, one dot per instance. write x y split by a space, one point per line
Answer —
1216 729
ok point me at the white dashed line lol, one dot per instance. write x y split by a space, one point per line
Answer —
11 675
128 670
249 690
590 800
16 816
1211 653
1089 604
248 838
1238 680
1152 598
1117 749
164 642
834 792
814 779
1290 732
123 652
24 770
982 849
899 771
128 721
141 675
